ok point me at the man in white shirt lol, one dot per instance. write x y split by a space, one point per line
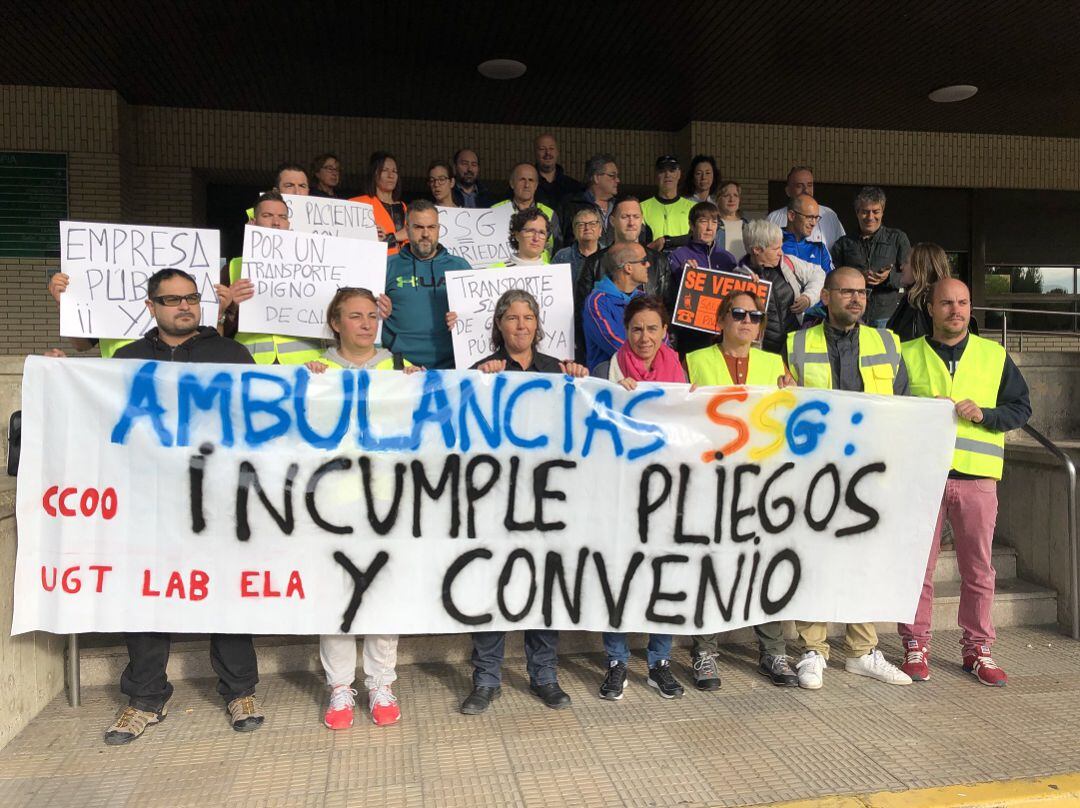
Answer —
800 180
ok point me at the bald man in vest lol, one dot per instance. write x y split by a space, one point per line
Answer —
991 398
842 354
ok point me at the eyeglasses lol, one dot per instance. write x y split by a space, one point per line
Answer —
438 180
642 261
174 300
584 225
612 174
739 315
850 293
532 231
815 219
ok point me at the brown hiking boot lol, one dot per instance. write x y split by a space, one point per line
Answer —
130 723
244 714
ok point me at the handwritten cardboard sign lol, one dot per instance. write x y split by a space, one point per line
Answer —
479 235
473 293
296 275
701 291
109 265
331 217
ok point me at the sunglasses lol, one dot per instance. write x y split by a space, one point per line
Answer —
739 315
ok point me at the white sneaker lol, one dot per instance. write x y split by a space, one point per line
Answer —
877 667
811 670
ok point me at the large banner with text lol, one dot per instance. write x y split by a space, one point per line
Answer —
221 498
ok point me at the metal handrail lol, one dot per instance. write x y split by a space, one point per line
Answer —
1074 548
1070 470
1006 311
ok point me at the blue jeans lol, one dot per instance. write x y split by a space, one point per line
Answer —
541 657
618 651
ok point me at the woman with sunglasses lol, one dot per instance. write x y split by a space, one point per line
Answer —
734 360
353 316
642 357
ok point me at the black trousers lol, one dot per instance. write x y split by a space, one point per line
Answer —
148 688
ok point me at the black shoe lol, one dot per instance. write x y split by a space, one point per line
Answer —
552 695
661 678
615 682
705 674
779 671
480 699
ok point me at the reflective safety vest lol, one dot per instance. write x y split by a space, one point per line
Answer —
544 259
672 219
543 209
879 358
979 451
708 368
266 348
110 346
395 362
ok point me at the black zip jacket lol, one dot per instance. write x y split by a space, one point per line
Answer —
206 346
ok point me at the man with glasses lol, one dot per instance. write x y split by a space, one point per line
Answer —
800 180
601 188
626 270
173 301
524 180
803 215
586 226
878 251
840 354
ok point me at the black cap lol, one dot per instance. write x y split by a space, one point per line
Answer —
667 161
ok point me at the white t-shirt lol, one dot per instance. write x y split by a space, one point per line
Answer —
828 229
733 242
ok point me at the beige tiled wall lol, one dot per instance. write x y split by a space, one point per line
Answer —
150 164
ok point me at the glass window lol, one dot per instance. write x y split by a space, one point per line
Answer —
1030 280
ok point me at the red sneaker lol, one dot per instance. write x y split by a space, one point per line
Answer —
982 666
916 661
383 705
339 714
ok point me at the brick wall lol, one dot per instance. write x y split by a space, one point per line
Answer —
151 164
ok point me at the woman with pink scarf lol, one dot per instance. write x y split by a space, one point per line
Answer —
643 357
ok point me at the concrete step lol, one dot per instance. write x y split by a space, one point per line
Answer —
1003 559
103 656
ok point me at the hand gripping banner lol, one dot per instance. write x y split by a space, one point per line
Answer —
223 498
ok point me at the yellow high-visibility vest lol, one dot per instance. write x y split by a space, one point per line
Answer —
707 368
879 358
265 348
979 451
110 346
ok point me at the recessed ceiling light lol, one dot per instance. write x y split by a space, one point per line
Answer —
954 92
501 69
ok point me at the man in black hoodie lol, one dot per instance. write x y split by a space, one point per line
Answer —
173 300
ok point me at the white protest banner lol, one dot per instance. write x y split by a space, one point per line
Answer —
473 293
296 275
331 217
479 235
109 265
267 499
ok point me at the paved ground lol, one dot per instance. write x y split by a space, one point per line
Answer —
749 743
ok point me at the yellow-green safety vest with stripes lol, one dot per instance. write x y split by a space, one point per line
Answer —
979 451
386 364
879 358
707 368
265 348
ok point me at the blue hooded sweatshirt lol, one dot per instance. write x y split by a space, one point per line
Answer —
602 321
716 258
813 252
416 327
